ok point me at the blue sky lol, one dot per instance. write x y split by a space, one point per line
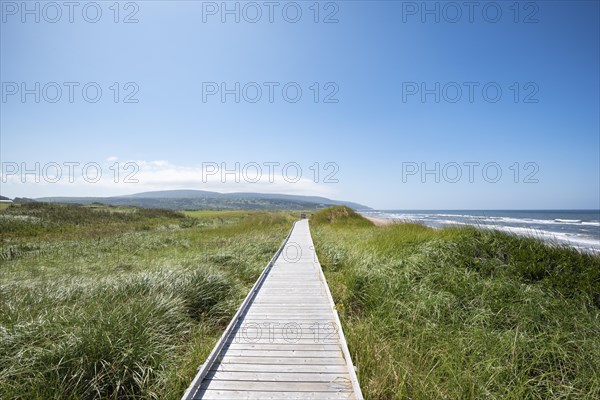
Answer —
378 130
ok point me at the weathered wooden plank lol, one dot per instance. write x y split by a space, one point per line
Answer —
279 339
297 307
300 283
290 311
290 330
291 315
285 339
282 360
290 368
286 302
277 297
285 294
336 386
287 346
307 324
276 395
278 376
289 353
316 298
312 290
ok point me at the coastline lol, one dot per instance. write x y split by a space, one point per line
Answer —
579 231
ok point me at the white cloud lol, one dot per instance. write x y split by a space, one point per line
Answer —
105 179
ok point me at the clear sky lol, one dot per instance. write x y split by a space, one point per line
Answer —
402 87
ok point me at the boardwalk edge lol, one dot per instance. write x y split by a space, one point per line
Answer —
212 357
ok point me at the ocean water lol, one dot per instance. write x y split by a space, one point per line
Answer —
577 228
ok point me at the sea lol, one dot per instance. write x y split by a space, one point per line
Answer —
576 228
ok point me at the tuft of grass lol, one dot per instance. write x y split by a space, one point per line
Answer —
461 312
339 216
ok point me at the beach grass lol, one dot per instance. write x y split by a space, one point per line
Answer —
462 313
121 302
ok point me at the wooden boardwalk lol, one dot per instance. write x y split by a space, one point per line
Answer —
285 341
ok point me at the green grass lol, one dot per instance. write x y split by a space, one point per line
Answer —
462 313
115 302
121 302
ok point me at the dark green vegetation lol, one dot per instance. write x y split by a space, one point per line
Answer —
461 313
205 200
113 302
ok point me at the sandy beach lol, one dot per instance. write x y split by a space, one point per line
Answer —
380 221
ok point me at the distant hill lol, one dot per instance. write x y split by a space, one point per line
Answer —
20 200
201 200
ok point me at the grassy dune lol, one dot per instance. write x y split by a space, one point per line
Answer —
112 302
460 313
121 302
